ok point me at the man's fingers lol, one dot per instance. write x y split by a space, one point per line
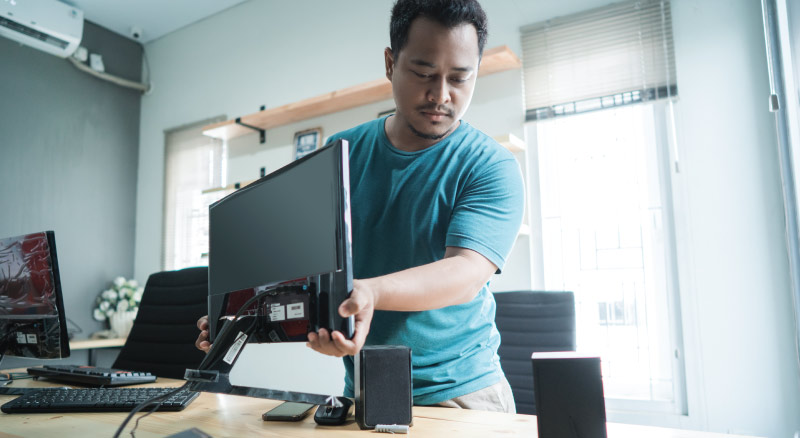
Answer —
351 306
202 344
202 339
322 342
345 346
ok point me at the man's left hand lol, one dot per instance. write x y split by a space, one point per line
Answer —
360 305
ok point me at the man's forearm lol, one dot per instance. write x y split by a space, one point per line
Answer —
455 279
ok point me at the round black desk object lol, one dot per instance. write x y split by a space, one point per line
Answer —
333 415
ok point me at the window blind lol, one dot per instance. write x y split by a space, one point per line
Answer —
614 55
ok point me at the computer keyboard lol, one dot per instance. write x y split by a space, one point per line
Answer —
87 375
95 400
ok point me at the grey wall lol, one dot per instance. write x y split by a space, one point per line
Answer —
69 147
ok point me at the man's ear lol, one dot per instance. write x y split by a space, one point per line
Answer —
389 60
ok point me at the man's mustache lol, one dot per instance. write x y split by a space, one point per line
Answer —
436 108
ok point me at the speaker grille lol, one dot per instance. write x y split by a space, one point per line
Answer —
384 382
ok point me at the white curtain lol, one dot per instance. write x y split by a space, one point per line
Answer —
193 163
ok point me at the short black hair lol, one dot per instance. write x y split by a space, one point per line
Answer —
449 13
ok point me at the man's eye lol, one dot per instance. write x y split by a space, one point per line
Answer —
421 75
458 80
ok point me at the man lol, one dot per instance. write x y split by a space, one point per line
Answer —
436 206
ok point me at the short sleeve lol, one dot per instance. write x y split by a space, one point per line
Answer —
488 213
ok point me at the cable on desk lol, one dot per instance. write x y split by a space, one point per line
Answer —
158 400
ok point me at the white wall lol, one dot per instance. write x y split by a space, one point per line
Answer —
741 372
734 278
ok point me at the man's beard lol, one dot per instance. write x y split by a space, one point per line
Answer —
428 136
432 107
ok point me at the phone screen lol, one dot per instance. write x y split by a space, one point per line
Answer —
288 411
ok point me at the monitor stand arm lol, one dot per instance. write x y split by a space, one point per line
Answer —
213 374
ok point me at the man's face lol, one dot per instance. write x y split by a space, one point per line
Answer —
433 78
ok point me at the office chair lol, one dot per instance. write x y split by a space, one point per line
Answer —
163 334
531 321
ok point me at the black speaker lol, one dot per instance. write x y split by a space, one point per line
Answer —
383 385
569 396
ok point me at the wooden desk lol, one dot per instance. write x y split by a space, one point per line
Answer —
93 344
233 416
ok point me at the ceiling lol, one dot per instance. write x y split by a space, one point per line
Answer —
155 18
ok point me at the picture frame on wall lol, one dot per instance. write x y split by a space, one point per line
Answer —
306 142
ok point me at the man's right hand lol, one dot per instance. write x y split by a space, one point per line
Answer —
202 340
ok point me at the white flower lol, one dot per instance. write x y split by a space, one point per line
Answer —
122 296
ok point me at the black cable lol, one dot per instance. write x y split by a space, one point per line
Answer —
207 361
155 408
158 400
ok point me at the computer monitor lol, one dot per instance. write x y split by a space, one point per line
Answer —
282 246
32 321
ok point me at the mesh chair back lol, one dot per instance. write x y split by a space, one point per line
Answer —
531 321
163 334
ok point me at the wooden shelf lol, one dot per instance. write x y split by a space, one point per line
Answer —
494 60
91 344
511 142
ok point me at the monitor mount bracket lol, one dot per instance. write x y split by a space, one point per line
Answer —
213 374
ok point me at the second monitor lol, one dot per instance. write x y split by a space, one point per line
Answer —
285 237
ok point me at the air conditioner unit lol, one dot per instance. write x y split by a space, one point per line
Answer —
47 25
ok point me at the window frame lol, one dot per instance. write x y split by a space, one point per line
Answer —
668 169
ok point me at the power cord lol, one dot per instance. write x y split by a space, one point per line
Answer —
158 400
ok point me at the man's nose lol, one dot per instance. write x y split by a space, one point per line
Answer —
439 92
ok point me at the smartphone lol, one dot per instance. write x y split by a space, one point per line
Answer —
288 411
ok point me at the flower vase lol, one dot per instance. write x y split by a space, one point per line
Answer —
121 322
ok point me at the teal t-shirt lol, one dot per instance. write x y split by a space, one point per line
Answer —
407 207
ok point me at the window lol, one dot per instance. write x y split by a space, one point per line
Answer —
607 236
193 164
599 87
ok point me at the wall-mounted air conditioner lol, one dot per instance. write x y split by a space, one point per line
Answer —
47 25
